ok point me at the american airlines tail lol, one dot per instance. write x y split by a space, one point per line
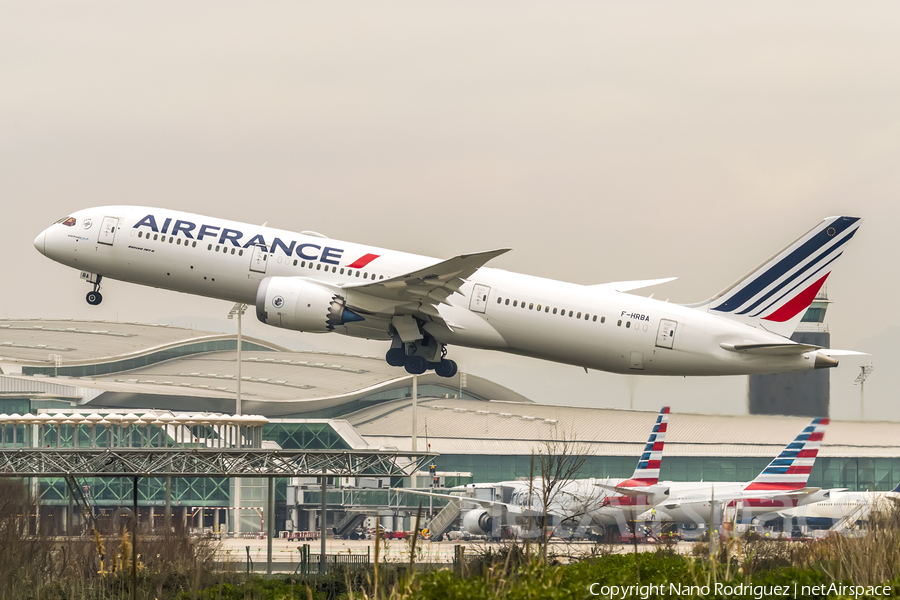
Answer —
790 470
775 295
647 471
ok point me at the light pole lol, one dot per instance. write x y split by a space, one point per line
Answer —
415 413
864 372
238 309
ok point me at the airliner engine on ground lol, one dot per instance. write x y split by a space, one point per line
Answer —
308 282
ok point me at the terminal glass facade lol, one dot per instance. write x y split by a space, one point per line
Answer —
854 473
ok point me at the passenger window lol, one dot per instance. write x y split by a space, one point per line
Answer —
155 237
619 324
603 319
595 318
627 324
499 300
232 251
342 270
365 275
381 277
507 301
570 313
194 245
531 306
162 238
586 316
179 242
539 308
217 248
140 234
302 263
209 247
515 302
295 262
318 267
171 239
546 309
357 273
240 252
578 317
554 311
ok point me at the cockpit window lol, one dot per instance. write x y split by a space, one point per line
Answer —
67 221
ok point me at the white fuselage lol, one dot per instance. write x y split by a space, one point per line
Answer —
576 502
593 327
843 505
692 502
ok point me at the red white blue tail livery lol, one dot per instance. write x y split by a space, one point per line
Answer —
790 470
647 470
775 295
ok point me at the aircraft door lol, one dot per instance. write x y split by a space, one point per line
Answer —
478 301
665 337
258 259
108 230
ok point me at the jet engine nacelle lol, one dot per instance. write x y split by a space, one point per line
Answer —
478 522
302 305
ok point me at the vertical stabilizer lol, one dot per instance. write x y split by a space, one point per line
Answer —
790 470
647 471
775 295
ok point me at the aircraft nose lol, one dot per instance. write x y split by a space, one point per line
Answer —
39 241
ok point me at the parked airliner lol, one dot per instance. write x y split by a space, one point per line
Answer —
782 484
839 508
575 504
308 282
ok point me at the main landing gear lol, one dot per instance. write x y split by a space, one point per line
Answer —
94 297
421 355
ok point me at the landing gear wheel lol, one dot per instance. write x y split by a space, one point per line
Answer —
395 357
94 298
415 365
446 368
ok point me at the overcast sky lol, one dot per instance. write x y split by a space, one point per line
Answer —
602 141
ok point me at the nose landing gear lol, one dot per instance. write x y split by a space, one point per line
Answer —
94 297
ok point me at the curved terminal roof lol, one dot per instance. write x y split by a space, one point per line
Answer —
37 342
459 426
130 365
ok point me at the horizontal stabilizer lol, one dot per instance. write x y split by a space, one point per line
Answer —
836 352
786 349
626 286
635 492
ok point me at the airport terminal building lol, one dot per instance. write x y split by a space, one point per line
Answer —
480 431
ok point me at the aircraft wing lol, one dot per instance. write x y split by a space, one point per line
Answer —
626 286
430 286
486 504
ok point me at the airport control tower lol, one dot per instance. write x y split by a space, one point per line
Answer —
803 393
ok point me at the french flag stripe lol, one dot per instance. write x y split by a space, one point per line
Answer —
363 261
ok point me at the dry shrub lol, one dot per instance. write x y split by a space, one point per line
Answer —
40 566
26 561
872 557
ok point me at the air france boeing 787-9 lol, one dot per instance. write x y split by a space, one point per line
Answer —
308 282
